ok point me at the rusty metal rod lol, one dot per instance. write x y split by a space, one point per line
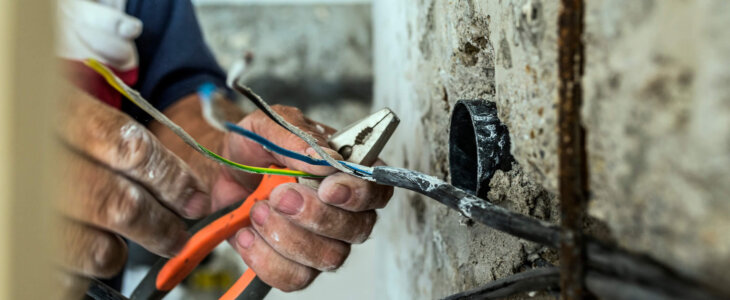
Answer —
572 168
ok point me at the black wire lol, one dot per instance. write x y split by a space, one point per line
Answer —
643 272
473 207
100 291
531 280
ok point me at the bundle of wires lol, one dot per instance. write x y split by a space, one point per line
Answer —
138 100
206 93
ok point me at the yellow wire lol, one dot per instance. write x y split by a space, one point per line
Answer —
114 81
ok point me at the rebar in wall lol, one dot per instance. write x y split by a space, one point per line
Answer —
572 169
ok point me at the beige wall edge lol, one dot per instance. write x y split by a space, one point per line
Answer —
26 149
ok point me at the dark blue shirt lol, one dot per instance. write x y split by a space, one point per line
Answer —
173 57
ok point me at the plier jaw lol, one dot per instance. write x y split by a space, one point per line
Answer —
362 141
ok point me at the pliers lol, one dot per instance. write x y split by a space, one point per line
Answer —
359 143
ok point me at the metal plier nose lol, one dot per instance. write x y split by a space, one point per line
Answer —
361 142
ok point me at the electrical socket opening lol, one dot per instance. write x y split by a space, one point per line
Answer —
479 145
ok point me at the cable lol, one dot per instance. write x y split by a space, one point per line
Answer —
213 116
527 281
285 152
100 291
306 137
273 147
138 100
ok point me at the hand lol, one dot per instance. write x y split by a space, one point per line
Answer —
299 231
121 181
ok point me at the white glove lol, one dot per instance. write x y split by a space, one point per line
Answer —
99 30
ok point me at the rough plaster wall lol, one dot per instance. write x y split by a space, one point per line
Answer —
658 117
429 54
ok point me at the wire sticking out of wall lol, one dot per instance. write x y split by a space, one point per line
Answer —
212 113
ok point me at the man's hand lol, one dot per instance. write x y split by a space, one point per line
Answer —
121 181
299 231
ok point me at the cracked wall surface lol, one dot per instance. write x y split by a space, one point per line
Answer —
656 110
427 57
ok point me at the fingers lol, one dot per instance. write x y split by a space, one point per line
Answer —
71 286
353 194
302 207
118 142
104 199
244 150
269 265
90 251
296 243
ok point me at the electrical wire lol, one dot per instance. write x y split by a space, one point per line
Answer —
306 137
138 100
527 281
286 152
207 91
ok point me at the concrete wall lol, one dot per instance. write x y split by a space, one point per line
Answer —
428 56
658 117
657 113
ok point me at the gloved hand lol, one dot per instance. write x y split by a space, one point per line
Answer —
299 231
120 180
99 30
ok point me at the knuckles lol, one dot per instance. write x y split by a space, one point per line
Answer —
127 205
335 257
135 146
366 225
297 279
109 257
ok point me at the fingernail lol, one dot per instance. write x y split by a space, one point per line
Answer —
291 202
260 214
339 194
197 206
245 238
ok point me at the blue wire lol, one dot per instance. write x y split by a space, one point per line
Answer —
205 92
273 147
285 152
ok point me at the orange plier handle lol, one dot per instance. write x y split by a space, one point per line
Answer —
207 234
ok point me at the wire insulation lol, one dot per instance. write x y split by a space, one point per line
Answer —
306 137
138 100
207 94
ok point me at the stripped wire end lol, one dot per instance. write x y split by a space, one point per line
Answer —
239 67
209 101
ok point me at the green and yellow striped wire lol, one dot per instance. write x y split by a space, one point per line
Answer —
137 99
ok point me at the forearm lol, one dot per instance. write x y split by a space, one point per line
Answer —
187 113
